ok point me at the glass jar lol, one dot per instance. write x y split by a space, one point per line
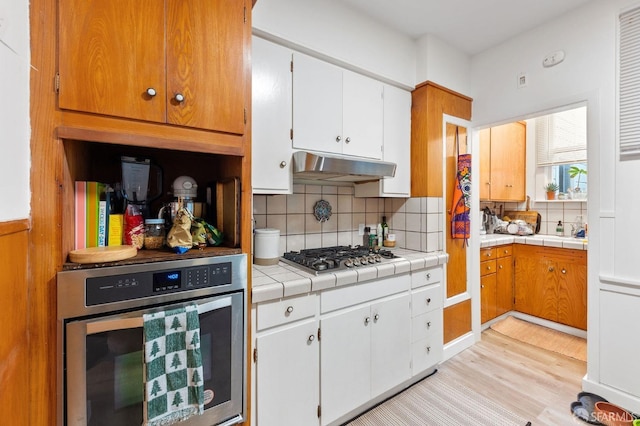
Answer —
153 233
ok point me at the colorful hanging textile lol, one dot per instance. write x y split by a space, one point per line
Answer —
461 208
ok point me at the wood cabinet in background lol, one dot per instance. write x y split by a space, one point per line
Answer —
503 162
335 110
496 281
175 62
429 102
551 283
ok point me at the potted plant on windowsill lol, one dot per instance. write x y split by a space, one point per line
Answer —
551 189
577 193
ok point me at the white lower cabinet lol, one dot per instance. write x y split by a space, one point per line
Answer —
321 357
287 355
426 320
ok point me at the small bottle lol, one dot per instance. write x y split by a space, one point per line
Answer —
379 233
559 229
365 237
385 229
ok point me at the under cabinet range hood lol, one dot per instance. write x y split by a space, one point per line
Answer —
335 168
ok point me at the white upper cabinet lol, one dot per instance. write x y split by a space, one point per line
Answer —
271 120
335 110
396 147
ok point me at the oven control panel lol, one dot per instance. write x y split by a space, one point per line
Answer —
116 288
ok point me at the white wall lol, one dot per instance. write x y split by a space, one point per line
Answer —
15 193
443 64
588 73
329 28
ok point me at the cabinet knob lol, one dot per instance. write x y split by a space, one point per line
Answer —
376 317
348 139
289 309
367 320
428 275
488 268
179 97
564 271
488 254
428 300
311 338
151 92
499 266
338 138
283 164
429 324
482 286
551 269
428 349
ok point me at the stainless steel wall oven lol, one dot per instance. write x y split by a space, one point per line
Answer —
100 336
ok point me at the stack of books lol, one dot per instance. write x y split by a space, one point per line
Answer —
96 224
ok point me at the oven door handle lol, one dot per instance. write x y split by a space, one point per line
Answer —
137 321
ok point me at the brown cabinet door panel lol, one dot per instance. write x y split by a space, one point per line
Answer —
536 287
110 53
572 293
488 298
205 64
504 285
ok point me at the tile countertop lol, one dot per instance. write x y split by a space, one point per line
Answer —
283 280
490 240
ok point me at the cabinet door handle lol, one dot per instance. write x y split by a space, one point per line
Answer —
179 97
488 268
428 300
564 271
283 164
428 324
482 286
347 140
311 338
428 349
376 317
151 92
551 269
428 275
367 320
338 138
500 266
289 309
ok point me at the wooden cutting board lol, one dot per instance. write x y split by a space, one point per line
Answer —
102 254
228 210
529 216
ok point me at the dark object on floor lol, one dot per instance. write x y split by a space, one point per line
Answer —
584 407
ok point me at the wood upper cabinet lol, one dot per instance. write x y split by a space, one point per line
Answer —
551 283
502 162
429 102
181 62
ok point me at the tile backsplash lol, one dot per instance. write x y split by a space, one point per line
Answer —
416 222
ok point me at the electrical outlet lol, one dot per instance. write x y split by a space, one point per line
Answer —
523 80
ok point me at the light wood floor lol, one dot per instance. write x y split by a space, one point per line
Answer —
536 383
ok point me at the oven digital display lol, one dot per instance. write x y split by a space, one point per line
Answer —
167 280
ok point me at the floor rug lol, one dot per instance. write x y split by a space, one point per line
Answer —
438 400
543 337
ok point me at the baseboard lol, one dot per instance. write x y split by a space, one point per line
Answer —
615 396
456 346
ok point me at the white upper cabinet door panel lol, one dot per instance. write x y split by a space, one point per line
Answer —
271 117
317 105
397 140
363 114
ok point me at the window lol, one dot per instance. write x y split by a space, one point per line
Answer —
629 84
561 150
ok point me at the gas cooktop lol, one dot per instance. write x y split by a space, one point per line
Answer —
329 259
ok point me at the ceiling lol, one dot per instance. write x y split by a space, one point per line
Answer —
469 25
